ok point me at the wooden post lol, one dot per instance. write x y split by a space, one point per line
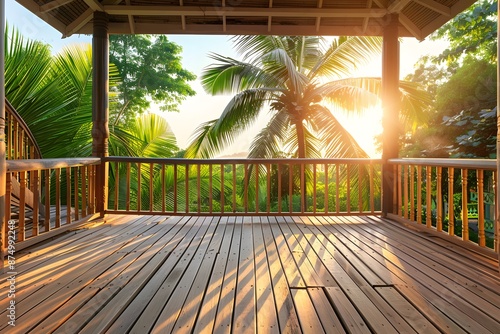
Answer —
3 163
390 105
100 113
497 197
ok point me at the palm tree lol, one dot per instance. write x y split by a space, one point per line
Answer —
291 77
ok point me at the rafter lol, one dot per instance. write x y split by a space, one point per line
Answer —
53 5
241 11
397 6
131 21
369 4
318 19
435 6
82 20
412 28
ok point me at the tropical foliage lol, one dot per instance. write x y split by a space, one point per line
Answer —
463 81
292 77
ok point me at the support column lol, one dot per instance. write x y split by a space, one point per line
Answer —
100 112
391 106
3 163
497 188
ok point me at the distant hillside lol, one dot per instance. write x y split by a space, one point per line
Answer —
237 155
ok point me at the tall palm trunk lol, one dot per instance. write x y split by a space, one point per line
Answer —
299 126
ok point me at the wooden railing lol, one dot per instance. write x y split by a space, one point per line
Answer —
20 142
63 194
244 186
454 196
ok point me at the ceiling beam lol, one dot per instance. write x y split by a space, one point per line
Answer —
131 21
397 6
435 6
369 4
241 11
96 6
53 5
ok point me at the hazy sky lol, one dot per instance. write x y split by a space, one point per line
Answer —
203 107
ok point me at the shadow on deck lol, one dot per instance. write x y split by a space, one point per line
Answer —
160 274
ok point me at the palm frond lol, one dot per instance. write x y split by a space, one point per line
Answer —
268 142
344 55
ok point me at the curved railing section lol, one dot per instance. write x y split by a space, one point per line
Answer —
453 196
20 142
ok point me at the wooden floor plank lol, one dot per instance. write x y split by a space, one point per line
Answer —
417 267
326 314
148 318
225 309
267 320
208 310
287 315
436 298
309 320
280 274
244 318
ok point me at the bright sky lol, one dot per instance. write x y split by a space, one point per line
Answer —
203 107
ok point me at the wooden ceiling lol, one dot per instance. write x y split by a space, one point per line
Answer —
417 18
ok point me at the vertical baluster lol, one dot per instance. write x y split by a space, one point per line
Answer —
151 186
406 196
187 188
91 187
372 177
58 197
47 200
8 198
256 188
68 195
303 190
34 175
234 187
198 185
245 187
222 189
428 184
279 187
21 234
127 186
465 210
290 187
163 189
75 194
117 185
360 190
412 193
419 194
210 185
400 190
451 216
175 188
83 177
439 199
268 201
315 187
480 208
326 166
139 181
348 199
338 181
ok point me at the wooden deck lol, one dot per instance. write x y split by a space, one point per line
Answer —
142 274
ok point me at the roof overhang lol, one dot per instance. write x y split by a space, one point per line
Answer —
417 18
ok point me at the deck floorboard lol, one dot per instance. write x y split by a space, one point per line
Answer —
284 274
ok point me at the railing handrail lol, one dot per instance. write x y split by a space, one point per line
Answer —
488 164
184 161
37 164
